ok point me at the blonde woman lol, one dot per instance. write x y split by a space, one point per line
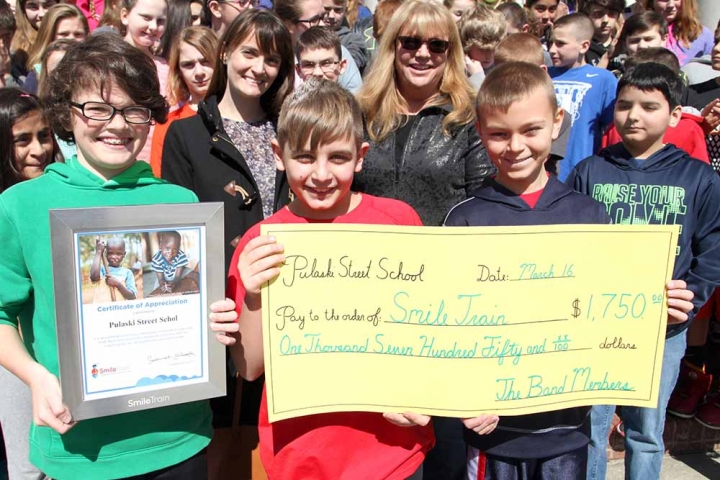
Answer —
419 115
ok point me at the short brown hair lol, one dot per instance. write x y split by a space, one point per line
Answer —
660 55
320 111
101 61
520 47
580 23
510 83
317 38
481 27
515 15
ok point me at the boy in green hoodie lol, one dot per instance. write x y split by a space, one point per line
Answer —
103 97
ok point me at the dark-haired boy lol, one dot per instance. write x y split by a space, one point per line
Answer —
604 15
644 181
319 55
587 93
335 11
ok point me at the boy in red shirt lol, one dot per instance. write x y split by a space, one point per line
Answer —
320 147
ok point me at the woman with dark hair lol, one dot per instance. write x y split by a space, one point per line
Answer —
223 153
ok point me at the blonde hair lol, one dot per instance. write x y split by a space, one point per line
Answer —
320 111
520 47
482 27
48 29
380 98
510 83
25 34
206 42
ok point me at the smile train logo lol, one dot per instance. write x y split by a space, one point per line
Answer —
94 371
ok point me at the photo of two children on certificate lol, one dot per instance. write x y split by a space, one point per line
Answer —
120 266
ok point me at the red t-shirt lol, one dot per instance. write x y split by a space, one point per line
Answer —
532 198
348 445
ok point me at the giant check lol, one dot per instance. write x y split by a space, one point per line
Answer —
461 321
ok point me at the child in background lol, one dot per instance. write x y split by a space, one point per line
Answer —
515 16
481 29
116 276
518 118
604 14
642 30
28 17
381 17
688 134
319 55
103 97
7 30
541 17
648 101
458 7
587 93
63 21
524 47
687 37
26 148
320 147
192 62
335 19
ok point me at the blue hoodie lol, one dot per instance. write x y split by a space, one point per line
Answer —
545 434
668 188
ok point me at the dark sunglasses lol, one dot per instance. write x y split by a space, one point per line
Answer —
434 45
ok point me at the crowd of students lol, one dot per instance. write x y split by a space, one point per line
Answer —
467 113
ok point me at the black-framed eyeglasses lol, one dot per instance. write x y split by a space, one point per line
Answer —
237 4
104 112
327 66
314 21
434 45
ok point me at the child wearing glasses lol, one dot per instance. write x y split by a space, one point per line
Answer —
103 98
319 55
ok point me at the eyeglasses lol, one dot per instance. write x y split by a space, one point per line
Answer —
239 4
327 66
104 112
434 45
312 22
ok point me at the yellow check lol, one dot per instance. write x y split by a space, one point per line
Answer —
462 321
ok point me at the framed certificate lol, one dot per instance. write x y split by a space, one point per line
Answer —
132 292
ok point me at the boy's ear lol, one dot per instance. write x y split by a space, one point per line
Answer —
525 28
214 8
362 151
675 116
584 46
343 65
278 155
557 122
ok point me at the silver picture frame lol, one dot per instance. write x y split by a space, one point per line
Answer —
83 322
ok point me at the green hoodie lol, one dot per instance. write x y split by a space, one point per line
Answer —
103 448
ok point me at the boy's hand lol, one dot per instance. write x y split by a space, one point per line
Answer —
113 281
223 319
48 407
679 301
472 66
483 424
99 246
407 419
711 117
259 263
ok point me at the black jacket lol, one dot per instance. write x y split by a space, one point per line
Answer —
668 188
556 432
433 173
200 156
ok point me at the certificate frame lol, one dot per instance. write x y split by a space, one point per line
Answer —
69 227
